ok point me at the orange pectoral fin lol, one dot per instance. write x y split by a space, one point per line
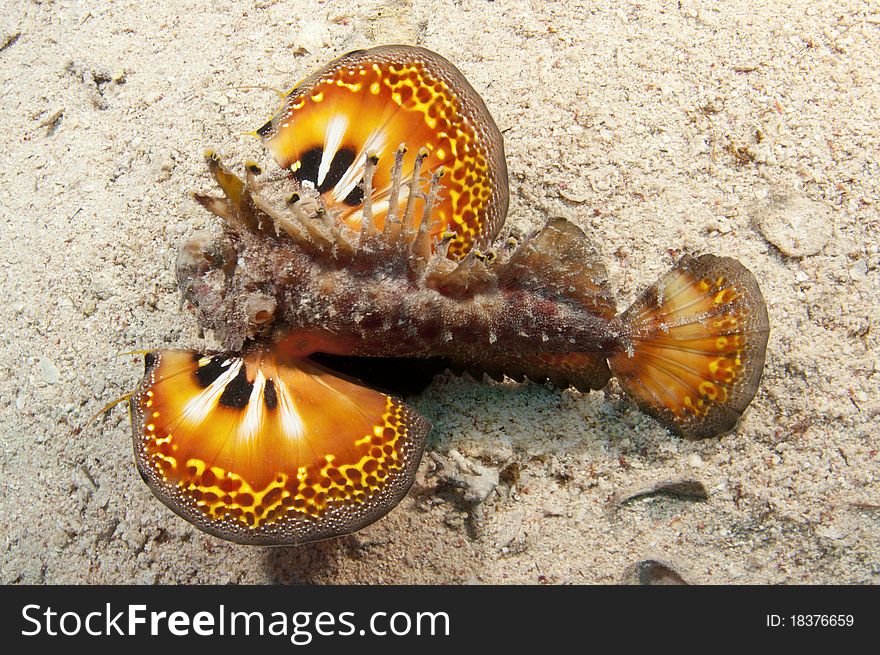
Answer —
369 102
261 451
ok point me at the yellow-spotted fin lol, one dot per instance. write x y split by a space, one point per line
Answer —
261 450
368 103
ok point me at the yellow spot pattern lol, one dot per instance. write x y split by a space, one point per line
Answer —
723 370
306 490
691 342
447 134
467 179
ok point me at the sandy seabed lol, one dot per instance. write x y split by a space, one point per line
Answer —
747 129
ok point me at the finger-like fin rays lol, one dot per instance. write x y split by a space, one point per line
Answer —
392 227
421 242
386 96
368 226
406 235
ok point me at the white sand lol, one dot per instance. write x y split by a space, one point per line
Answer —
657 127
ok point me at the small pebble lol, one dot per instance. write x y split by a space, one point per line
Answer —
577 195
796 225
829 532
49 371
754 563
553 508
133 537
98 385
147 578
475 480
102 497
59 539
859 270
311 36
652 572
695 460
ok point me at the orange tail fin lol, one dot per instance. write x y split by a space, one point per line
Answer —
259 450
695 346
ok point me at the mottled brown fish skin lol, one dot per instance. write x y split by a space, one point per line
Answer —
386 313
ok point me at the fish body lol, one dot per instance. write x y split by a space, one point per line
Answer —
381 300
380 239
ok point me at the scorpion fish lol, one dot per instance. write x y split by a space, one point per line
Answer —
374 239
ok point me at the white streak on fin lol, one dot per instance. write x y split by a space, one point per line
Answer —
378 208
291 422
374 145
197 409
332 140
252 420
